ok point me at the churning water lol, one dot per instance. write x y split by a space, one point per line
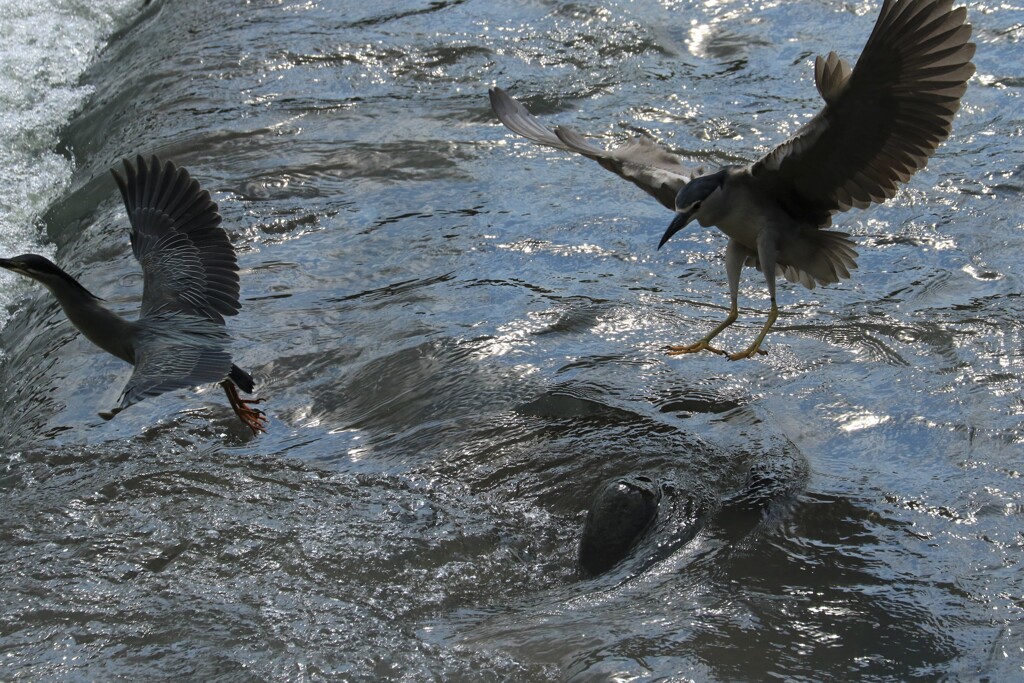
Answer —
459 336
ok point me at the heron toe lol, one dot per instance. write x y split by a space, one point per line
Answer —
750 352
702 345
253 418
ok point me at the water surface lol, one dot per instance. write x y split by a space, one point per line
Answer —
460 338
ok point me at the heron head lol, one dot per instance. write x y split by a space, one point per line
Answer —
689 200
43 270
31 265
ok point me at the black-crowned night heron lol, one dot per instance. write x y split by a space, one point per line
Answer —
881 122
190 282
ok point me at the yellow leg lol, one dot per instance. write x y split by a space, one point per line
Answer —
755 348
705 342
253 418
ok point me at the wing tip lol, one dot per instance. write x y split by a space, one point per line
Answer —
109 414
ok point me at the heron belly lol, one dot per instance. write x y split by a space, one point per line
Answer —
742 226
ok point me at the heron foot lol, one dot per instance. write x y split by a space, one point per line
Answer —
253 418
748 353
702 345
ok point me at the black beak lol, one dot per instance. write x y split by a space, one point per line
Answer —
8 264
677 224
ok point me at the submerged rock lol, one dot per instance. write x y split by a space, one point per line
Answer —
621 512
624 512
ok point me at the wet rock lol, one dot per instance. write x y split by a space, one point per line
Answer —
621 512
627 510
773 481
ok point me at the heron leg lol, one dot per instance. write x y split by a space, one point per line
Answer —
766 256
755 348
253 418
704 343
735 254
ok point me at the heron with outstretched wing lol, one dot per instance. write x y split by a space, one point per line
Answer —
881 122
190 282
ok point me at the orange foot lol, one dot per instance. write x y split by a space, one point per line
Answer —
253 418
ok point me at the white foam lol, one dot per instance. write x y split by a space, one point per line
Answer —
45 49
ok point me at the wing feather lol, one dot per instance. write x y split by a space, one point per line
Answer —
188 262
882 120
650 167
174 351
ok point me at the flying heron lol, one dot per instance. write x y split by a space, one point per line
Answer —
881 122
190 282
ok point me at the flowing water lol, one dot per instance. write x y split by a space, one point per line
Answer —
460 338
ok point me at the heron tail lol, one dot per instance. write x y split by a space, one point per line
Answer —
817 257
242 379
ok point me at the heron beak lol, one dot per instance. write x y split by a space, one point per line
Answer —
678 223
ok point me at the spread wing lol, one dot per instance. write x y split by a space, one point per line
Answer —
653 169
175 351
882 120
188 263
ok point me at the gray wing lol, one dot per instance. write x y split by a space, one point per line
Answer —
882 120
188 263
175 351
653 169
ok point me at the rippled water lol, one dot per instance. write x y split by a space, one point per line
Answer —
460 338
